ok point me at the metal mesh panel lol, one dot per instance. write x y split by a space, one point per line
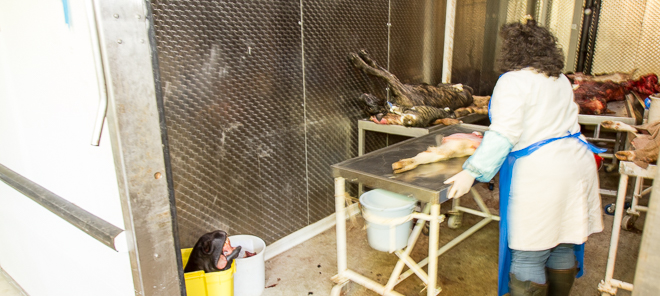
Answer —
253 129
516 10
648 52
333 29
417 29
627 37
232 88
469 43
559 20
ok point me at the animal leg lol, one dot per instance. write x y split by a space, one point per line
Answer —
447 121
434 154
404 165
618 126
367 59
481 101
395 85
625 155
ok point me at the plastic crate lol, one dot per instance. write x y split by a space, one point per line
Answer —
200 283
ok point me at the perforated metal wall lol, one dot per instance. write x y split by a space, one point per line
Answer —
260 99
232 87
628 37
559 19
516 9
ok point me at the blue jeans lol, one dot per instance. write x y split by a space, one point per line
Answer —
530 265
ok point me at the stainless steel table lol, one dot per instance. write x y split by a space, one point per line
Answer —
365 125
368 125
425 183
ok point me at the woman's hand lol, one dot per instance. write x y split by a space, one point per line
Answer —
461 184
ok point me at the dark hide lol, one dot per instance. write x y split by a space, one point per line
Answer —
408 95
212 252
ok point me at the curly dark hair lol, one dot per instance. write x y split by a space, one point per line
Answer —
529 45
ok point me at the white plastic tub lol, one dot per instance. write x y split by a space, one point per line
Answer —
384 205
250 276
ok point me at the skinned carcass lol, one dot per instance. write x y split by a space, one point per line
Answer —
645 85
406 99
453 146
592 96
646 142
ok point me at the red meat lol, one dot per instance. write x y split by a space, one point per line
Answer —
645 85
593 96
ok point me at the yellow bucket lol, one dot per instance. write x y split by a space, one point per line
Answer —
200 283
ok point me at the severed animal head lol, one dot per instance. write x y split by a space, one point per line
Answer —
372 104
212 252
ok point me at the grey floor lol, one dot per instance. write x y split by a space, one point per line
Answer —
470 268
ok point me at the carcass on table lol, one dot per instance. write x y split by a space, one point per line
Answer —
616 77
456 145
592 96
413 105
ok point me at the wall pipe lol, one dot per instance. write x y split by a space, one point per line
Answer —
106 233
448 52
588 37
589 61
429 42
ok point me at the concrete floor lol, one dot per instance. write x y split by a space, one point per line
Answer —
470 268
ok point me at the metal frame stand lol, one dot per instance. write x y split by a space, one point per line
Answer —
434 218
609 285
632 213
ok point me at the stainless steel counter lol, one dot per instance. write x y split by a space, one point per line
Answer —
425 183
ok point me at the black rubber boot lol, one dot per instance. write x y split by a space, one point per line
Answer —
526 288
560 281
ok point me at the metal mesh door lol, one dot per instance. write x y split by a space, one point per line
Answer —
627 37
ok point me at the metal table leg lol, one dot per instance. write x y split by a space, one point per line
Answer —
434 236
361 150
609 286
342 261
434 218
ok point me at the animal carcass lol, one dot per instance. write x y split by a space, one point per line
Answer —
645 85
646 142
439 101
592 96
616 77
212 252
456 145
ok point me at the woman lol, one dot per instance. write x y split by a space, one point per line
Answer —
549 192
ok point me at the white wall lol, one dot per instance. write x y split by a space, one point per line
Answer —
48 101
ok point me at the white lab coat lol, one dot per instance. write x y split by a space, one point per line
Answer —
554 191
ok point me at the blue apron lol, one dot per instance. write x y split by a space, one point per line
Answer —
504 262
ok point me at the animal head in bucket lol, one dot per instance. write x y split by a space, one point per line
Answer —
212 252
